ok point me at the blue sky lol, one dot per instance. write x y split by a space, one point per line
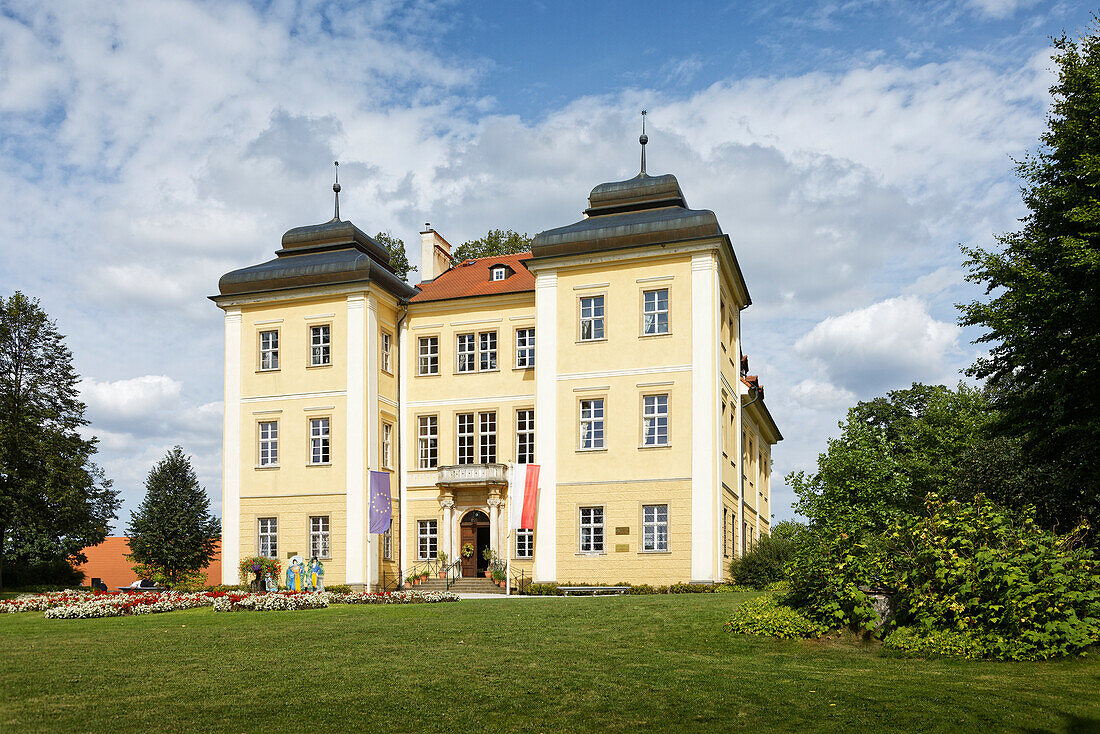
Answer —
847 147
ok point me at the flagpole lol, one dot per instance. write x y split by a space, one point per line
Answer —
508 535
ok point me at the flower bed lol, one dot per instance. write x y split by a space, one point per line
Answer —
280 601
392 597
90 606
42 602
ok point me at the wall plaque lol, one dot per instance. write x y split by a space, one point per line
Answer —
622 547
622 531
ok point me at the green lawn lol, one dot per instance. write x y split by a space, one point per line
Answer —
544 664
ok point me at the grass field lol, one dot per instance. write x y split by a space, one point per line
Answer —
540 664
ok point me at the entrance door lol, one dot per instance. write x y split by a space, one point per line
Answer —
474 530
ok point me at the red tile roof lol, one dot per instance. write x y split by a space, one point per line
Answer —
471 278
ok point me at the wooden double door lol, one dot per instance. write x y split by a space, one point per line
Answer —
473 533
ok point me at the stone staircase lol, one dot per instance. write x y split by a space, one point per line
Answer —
461 586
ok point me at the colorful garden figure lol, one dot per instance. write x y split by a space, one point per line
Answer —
316 574
269 583
295 573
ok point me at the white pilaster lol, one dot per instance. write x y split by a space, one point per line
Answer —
370 364
356 471
231 450
546 424
404 431
704 484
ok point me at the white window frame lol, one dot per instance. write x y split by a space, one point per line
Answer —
525 348
487 351
387 341
525 543
655 420
269 350
427 441
320 345
654 318
387 543
466 352
525 435
591 526
320 536
267 537
387 444
593 421
595 322
268 437
465 438
487 437
320 440
427 539
655 528
428 355
498 272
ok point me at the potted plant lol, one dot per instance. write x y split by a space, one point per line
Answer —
442 564
489 555
499 578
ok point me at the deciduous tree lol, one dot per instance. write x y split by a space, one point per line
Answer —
495 242
1041 311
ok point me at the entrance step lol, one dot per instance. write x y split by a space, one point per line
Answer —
462 586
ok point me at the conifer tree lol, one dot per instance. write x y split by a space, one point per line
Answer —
53 500
173 536
1041 313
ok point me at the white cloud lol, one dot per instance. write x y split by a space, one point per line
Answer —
999 9
820 395
884 345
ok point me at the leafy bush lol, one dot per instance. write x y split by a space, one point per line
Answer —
938 643
972 567
763 615
541 590
692 588
766 562
339 589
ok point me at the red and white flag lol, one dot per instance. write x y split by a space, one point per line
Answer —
523 496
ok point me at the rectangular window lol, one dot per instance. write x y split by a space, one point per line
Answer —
387 445
269 443
427 543
429 355
428 441
268 537
318 537
386 342
487 350
387 543
320 344
467 356
592 424
592 318
591 530
498 274
318 441
525 347
269 350
525 543
655 420
726 532
655 312
488 437
465 432
525 436
654 527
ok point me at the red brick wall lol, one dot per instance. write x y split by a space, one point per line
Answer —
107 561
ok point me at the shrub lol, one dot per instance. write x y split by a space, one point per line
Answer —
829 565
938 643
766 562
1028 593
692 588
541 590
339 589
763 615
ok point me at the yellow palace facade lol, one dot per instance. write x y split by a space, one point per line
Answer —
609 355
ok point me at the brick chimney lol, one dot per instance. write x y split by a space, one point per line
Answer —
435 254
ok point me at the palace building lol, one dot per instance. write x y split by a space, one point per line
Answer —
609 355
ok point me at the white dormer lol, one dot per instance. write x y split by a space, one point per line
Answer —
498 272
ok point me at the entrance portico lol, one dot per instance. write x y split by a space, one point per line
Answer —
472 498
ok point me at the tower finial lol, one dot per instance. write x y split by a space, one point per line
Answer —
336 190
643 139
